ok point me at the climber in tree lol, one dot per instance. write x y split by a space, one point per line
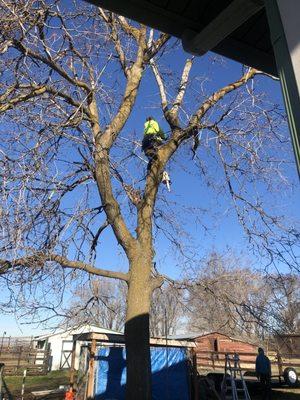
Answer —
153 138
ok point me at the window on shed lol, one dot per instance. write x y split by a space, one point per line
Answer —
40 344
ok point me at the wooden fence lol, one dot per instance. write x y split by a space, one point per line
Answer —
208 361
17 358
17 341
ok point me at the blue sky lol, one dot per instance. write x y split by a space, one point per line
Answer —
223 228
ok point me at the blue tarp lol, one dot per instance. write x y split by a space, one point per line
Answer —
169 373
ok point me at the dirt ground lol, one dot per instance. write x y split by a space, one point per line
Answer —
54 379
278 392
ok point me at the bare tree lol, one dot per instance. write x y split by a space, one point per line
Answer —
282 311
166 311
218 295
226 296
100 302
70 76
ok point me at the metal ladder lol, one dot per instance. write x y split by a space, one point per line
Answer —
232 377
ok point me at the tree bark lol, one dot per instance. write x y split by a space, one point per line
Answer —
137 331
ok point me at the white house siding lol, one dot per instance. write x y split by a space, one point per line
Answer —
63 341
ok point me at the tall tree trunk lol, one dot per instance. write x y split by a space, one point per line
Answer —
138 385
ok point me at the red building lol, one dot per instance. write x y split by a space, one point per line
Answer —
211 349
218 342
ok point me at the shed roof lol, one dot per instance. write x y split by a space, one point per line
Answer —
83 329
119 339
194 336
187 336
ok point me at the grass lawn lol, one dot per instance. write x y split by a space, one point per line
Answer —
34 383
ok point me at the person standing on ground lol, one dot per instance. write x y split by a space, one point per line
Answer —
263 372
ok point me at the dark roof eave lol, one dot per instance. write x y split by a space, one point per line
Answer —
165 20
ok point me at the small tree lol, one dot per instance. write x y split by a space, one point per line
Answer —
70 80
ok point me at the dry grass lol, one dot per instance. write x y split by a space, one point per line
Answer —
50 381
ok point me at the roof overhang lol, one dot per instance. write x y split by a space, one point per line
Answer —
237 29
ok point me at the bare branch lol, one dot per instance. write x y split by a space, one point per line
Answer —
97 235
36 91
129 29
118 45
157 45
160 84
52 64
10 103
65 263
38 260
219 94
182 87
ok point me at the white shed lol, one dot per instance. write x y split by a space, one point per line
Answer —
60 344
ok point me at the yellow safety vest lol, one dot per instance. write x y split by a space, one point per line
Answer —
151 127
